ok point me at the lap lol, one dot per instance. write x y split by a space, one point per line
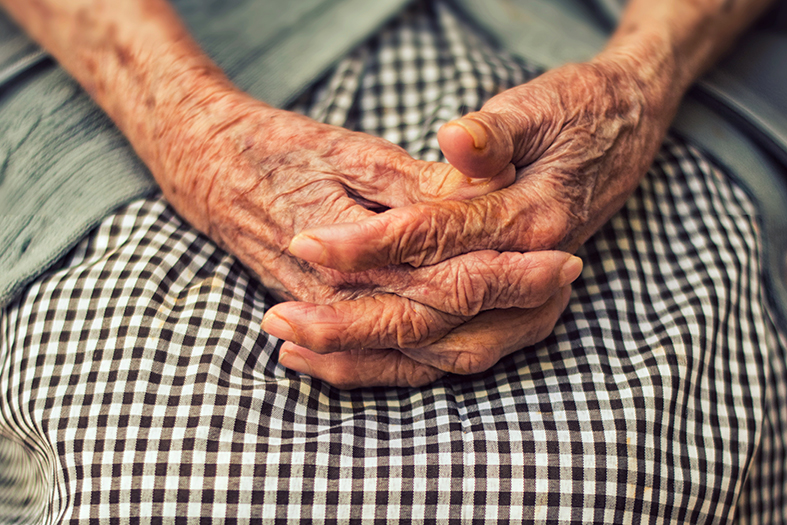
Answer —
138 377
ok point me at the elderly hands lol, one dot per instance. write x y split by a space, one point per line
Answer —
581 138
252 177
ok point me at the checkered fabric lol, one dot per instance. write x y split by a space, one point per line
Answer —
136 380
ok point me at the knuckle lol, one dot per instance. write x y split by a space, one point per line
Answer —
465 362
471 290
418 242
544 324
342 382
467 299
482 281
326 337
346 371
428 233
528 282
542 331
412 332
554 310
490 224
434 180
418 326
542 225
413 374
323 342
554 231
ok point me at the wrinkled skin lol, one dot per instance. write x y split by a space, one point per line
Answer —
581 138
255 180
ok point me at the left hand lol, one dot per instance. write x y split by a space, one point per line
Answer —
581 137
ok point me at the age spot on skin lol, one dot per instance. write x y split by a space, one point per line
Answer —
124 56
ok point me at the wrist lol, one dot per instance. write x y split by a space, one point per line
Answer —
209 131
647 65
675 41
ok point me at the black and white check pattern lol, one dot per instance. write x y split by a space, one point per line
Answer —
137 378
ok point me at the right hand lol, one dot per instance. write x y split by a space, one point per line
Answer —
252 177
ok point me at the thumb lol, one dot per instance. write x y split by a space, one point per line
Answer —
483 143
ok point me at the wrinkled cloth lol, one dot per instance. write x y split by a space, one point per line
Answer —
137 377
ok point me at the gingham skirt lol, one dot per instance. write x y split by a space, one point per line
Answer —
137 387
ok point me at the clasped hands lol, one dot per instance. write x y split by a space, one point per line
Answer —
397 271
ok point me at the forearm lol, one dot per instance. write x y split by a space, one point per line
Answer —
670 43
137 61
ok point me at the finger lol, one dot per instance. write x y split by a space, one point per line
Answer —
514 219
390 321
384 173
468 284
471 348
476 144
481 342
414 235
439 181
516 126
376 322
359 368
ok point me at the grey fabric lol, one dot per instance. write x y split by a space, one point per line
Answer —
750 86
57 153
550 33
14 46
258 42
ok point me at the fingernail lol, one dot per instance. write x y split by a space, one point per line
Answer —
295 362
307 248
278 327
475 130
571 270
